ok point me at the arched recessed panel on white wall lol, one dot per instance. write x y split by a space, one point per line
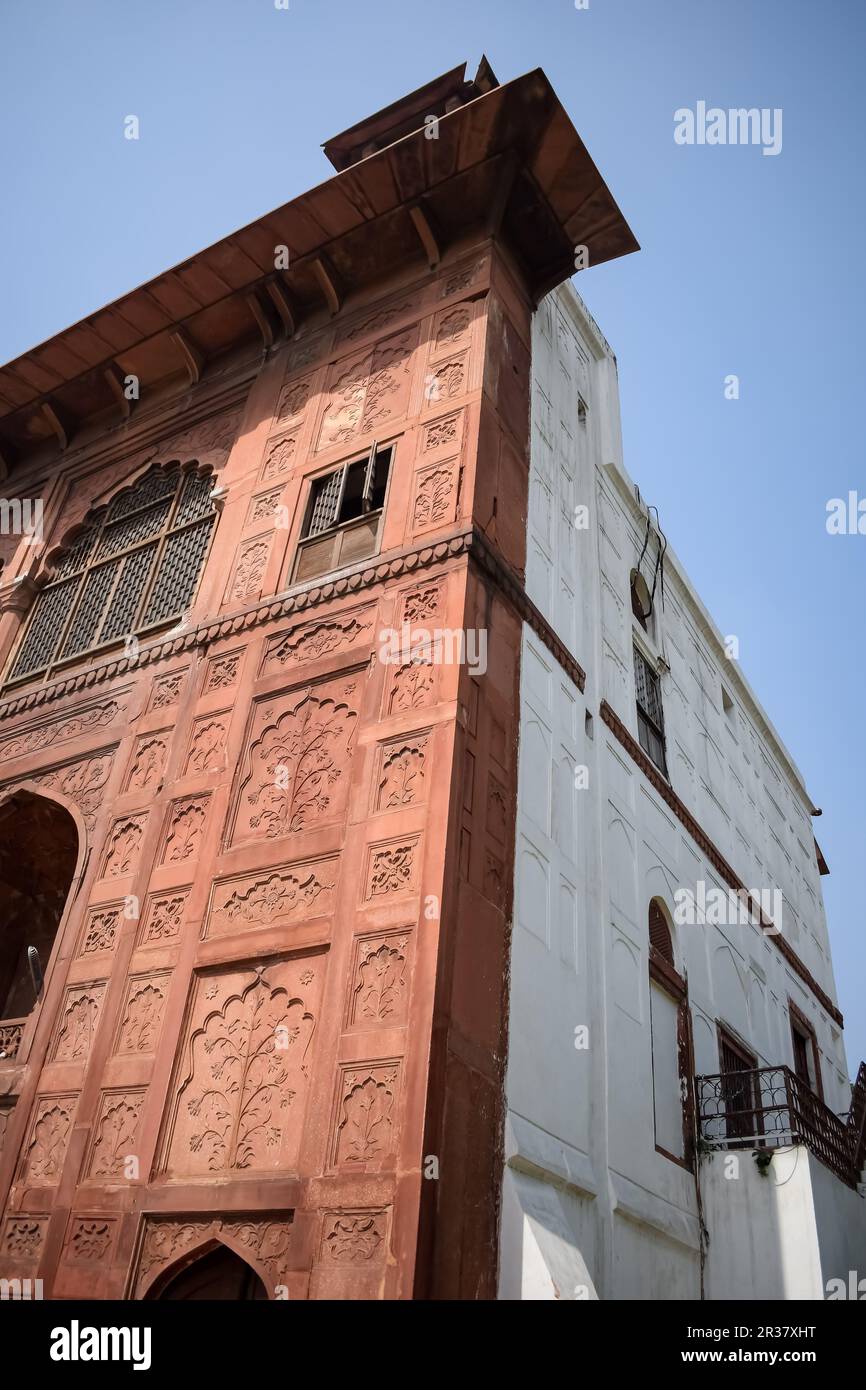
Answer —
620 856
535 772
625 976
533 891
706 1045
539 578
536 675
729 991
564 821
568 941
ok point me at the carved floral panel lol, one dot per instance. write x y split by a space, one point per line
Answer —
392 869
163 918
296 768
436 496
147 764
366 1128
273 897
207 745
222 672
245 1070
76 1027
100 930
354 1237
124 847
23 1237
312 641
141 1017
368 390
379 983
45 1149
114 1148
401 778
184 830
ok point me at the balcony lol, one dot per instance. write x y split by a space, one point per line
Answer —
772 1108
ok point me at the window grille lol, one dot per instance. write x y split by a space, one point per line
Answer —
136 565
650 716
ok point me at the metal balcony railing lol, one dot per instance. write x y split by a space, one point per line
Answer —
771 1107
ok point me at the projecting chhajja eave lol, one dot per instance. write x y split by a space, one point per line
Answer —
508 162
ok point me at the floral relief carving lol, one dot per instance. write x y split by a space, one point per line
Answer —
268 1242
70 726
185 828
279 458
354 1237
148 762
100 929
115 1133
265 1239
453 325
421 604
435 497
90 1240
392 868
222 672
283 895
440 433
365 1129
78 1019
124 846
82 782
497 809
247 581
370 389
494 878
165 1241
163 918
447 381
45 1150
166 690
402 779
311 641
209 437
380 980
293 399
461 279
263 507
413 684
207 749
297 766
23 1237
240 1103
142 1015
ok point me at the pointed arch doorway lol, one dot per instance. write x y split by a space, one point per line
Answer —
218 1275
39 856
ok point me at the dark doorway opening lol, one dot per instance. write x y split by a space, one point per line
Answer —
220 1275
38 855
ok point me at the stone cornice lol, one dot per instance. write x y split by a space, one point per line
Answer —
703 841
354 581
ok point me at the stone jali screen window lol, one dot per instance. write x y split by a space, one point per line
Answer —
134 567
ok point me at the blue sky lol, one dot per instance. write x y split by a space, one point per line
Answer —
750 265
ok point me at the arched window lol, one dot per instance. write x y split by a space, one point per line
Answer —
660 932
38 854
670 1028
134 567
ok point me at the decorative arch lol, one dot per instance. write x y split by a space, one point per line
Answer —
130 566
170 1246
43 852
223 1273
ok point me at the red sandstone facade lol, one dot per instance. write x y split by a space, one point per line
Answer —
271 872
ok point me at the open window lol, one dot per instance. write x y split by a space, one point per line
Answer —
344 515
650 716
670 1027
742 1105
641 599
807 1058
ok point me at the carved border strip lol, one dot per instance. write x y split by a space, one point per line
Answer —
407 562
702 839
